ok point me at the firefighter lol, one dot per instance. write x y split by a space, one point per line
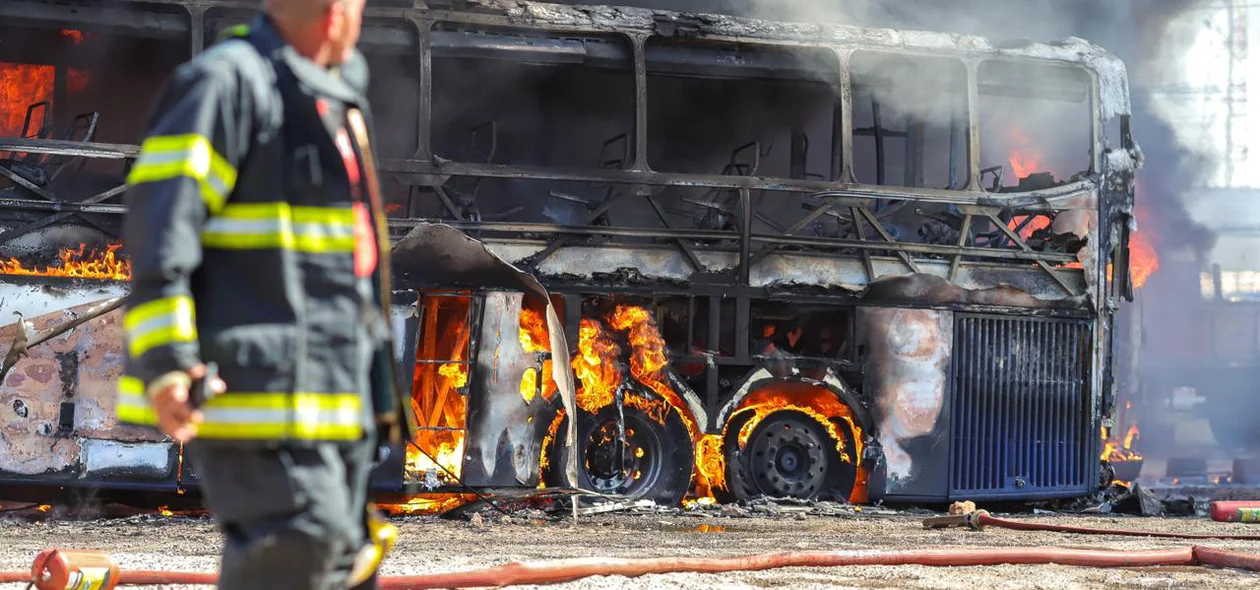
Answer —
258 243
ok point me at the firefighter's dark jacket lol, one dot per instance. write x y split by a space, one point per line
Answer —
240 230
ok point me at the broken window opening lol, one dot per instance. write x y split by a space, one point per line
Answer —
518 97
740 109
909 120
439 394
1035 125
65 84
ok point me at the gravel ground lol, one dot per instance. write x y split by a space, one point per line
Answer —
429 544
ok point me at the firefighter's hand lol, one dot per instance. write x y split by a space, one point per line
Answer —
176 418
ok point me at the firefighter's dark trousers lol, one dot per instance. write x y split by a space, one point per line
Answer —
292 518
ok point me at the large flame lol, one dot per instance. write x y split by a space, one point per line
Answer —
21 85
436 399
648 358
81 263
595 366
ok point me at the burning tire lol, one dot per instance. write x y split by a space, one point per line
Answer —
788 455
652 461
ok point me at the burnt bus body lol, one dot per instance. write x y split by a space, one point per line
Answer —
765 258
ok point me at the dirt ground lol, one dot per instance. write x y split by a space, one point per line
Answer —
429 544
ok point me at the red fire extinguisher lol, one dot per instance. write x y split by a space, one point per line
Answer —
59 569
1236 511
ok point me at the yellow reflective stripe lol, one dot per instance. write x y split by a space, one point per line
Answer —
160 322
247 226
133 405
191 155
314 416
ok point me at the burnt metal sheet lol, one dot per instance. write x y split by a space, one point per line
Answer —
109 459
977 283
438 254
906 371
32 396
502 445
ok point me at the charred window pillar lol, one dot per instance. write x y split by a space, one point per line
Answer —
196 29
639 46
973 126
842 139
424 143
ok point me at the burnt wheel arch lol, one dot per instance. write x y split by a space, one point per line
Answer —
788 454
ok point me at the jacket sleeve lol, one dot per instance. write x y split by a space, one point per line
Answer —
197 137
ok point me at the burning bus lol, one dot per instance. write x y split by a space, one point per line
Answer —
638 253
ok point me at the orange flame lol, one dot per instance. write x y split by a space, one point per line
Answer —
1024 158
533 331
648 358
1038 222
552 430
820 406
81 263
428 504
1117 451
1143 260
73 35
533 336
21 85
595 366
439 406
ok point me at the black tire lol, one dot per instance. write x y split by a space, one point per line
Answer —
789 454
663 469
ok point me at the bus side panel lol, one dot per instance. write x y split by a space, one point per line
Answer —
907 367
58 403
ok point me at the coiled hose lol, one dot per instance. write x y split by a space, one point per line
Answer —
553 572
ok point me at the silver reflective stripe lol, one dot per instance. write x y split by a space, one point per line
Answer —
225 225
157 322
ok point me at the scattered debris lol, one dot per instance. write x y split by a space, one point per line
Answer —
615 507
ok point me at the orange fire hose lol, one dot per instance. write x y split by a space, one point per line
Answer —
573 569
981 518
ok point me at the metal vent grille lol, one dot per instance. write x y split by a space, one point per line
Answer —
1020 410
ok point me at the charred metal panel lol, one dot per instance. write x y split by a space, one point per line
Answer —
107 459
439 255
972 282
906 366
502 447
32 297
1022 421
32 396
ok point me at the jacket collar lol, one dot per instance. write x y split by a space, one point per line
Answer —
347 83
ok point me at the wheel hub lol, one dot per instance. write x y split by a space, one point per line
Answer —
620 464
787 457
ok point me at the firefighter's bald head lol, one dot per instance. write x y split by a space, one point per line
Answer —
324 30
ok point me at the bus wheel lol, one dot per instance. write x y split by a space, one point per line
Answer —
653 461
789 455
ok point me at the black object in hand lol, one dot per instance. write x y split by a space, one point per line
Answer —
200 392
